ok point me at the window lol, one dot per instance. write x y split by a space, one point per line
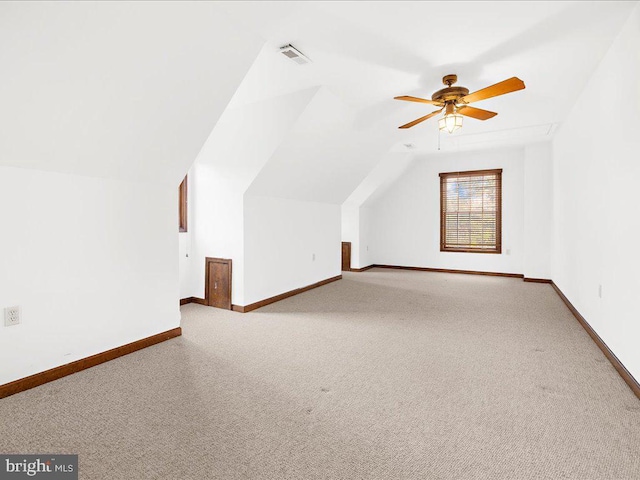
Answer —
471 211
182 205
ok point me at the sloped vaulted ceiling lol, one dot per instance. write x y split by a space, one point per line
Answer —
116 89
365 53
322 158
245 137
133 89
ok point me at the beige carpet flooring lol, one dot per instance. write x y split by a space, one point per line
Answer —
384 375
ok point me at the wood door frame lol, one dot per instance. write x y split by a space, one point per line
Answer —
349 269
207 261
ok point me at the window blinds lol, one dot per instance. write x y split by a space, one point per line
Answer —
470 211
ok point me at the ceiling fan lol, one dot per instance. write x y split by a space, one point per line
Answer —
454 101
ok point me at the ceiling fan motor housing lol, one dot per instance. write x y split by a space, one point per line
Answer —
449 94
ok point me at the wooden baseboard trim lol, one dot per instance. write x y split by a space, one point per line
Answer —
617 364
467 272
537 280
184 301
62 371
363 269
444 270
282 296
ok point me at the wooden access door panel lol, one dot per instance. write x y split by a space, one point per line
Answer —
218 283
346 256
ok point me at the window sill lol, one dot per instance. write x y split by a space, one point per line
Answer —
469 250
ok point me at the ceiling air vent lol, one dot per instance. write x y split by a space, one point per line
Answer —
294 54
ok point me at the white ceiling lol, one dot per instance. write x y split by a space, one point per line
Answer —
368 52
133 89
115 89
365 53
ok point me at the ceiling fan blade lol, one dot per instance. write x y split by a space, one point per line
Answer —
409 98
476 113
421 119
513 84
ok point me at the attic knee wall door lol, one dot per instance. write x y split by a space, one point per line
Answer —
346 256
218 283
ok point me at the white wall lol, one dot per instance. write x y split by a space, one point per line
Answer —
357 228
365 252
91 262
118 98
295 148
538 210
185 243
357 219
281 238
233 155
596 221
350 214
216 228
406 218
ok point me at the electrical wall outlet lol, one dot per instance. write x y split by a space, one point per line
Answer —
313 257
11 316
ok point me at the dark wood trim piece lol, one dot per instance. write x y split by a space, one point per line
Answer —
469 250
62 371
184 301
364 269
183 203
209 260
445 270
490 171
467 272
282 296
617 364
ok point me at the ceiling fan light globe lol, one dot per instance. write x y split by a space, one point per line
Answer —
450 123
